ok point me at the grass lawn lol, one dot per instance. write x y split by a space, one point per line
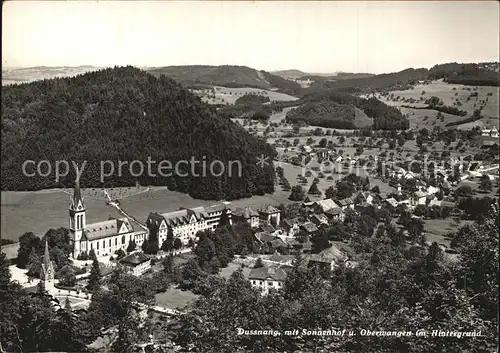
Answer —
437 229
233 266
174 298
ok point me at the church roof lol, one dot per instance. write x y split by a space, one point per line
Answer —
106 229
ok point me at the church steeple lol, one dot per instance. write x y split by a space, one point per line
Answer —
47 272
77 200
77 220
46 255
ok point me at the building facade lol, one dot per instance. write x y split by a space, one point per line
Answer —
103 237
187 222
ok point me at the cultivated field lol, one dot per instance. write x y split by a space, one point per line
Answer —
449 94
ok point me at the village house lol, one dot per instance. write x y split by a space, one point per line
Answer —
322 152
335 214
323 205
290 226
327 259
347 203
309 227
270 214
267 278
319 219
137 263
247 215
418 198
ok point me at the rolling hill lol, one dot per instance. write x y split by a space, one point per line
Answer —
227 76
129 115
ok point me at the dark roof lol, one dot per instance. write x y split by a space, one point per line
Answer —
264 237
263 273
334 212
134 259
309 227
276 243
267 228
290 222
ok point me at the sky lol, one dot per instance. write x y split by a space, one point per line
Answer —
327 36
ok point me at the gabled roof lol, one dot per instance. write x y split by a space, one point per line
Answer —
309 227
267 228
391 201
420 194
134 259
326 204
105 229
346 202
264 273
264 237
268 209
329 255
334 212
290 222
276 243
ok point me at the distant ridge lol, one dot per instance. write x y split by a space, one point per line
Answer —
294 74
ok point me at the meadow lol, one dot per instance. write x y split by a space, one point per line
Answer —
449 93
226 95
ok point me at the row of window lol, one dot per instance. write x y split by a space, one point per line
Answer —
261 283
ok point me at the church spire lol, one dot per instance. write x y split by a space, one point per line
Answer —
77 196
46 255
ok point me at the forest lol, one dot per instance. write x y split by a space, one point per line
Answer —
324 113
125 114
384 117
465 74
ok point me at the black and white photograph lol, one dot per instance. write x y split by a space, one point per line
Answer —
250 176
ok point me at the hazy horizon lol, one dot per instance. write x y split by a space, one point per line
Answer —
313 37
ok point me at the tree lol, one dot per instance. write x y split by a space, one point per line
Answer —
119 254
95 276
485 183
27 242
330 192
177 244
224 218
168 264
259 263
320 242
92 255
131 246
420 210
35 264
297 193
313 190
67 276
168 244
322 142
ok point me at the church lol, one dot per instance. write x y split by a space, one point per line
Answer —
104 237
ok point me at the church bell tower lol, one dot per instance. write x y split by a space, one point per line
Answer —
77 220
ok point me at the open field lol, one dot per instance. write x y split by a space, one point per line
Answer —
226 95
174 298
449 93
436 230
